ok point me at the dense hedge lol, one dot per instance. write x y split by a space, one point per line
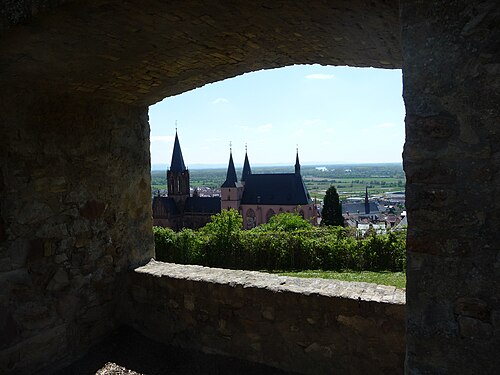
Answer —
223 244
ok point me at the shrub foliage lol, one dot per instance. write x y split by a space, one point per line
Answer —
287 242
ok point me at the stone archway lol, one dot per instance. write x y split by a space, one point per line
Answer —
77 77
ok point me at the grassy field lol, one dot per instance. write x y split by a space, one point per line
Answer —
347 187
397 279
350 180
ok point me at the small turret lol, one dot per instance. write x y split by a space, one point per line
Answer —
231 190
297 163
246 168
367 203
231 179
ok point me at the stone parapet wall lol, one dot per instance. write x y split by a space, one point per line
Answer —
310 326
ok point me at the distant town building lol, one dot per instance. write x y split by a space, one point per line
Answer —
366 209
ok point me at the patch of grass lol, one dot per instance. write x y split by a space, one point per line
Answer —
397 279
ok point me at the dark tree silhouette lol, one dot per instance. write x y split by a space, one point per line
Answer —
332 210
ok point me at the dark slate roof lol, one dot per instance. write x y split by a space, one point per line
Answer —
231 178
275 188
210 205
353 208
177 163
246 169
163 206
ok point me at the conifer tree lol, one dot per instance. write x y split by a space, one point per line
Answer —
332 210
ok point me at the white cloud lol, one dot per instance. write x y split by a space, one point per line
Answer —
244 127
320 76
220 100
213 139
162 138
330 130
386 125
313 122
265 128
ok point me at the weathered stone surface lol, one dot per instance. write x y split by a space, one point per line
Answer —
166 48
305 325
64 142
451 93
65 224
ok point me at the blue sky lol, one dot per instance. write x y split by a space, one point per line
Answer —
333 114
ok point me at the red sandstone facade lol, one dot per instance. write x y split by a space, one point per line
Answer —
258 197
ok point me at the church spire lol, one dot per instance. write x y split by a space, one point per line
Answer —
178 175
231 179
297 163
367 203
177 163
246 167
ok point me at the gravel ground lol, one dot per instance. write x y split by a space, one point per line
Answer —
126 352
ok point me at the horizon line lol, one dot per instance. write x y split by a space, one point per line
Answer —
309 164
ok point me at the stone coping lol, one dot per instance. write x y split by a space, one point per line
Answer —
359 291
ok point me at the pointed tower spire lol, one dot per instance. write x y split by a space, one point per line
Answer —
231 178
367 204
177 163
297 163
246 167
178 175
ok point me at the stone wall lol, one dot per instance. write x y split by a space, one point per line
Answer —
451 79
310 326
75 216
141 51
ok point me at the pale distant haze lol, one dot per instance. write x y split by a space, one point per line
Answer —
333 115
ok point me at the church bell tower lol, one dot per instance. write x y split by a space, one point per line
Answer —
178 175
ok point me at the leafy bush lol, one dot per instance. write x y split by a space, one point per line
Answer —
285 243
285 221
222 236
165 246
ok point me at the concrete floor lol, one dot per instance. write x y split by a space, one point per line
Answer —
129 352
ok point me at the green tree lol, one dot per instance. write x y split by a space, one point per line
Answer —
332 210
286 221
224 225
223 235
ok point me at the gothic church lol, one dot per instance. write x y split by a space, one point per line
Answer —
257 197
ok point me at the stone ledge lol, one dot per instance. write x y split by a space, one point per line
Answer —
275 283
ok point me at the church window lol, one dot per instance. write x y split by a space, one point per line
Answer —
250 221
270 213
